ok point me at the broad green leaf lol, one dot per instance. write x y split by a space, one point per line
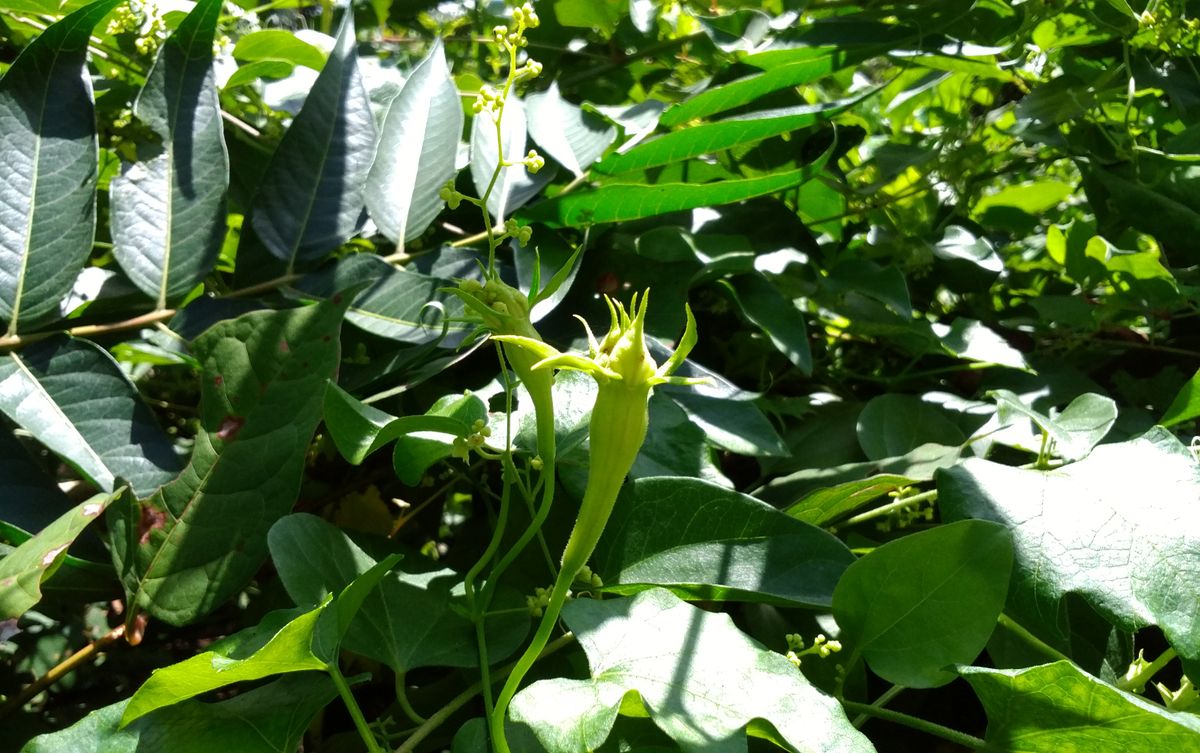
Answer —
195 542
746 90
706 542
1186 404
1118 529
168 211
894 424
414 619
1159 198
308 642
1075 431
699 678
259 69
777 316
918 605
358 429
74 398
278 45
418 144
414 453
975 341
1018 208
574 137
827 505
48 158
270 719
399 304
602 15
730 423
310 200
619 202
24 570
1055 708
514 186
708 138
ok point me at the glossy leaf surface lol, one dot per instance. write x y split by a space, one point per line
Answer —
48 168
917 606
168 210
699 678
1117 529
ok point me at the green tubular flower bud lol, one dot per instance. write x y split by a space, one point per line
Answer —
625 374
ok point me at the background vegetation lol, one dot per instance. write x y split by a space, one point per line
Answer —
943 260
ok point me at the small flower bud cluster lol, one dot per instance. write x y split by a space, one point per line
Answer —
452 197
142 19
585 579
463 446
510 41
822 647
538 602
522 234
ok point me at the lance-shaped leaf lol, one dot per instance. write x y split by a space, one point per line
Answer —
74 398
23 571
310 200
574 137
195 543
416 618
417 150
269 719
1119 529
308 642
48 173
704 541
168 211
700 679
1058 707
918 605
514 185
619 202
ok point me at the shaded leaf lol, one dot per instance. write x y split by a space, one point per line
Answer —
270 719
167 212
413 619
706 542
574 137
736 425
1186 404
700 679
1058 707
74 398
310 200
1118 529
418 145
48 173
195 543
399 303
309 642
893 424
778 318
25 569
918 605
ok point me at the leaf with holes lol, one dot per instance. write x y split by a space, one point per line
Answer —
193 544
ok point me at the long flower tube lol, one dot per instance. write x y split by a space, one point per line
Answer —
625 374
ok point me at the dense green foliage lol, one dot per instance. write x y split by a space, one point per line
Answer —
290 377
